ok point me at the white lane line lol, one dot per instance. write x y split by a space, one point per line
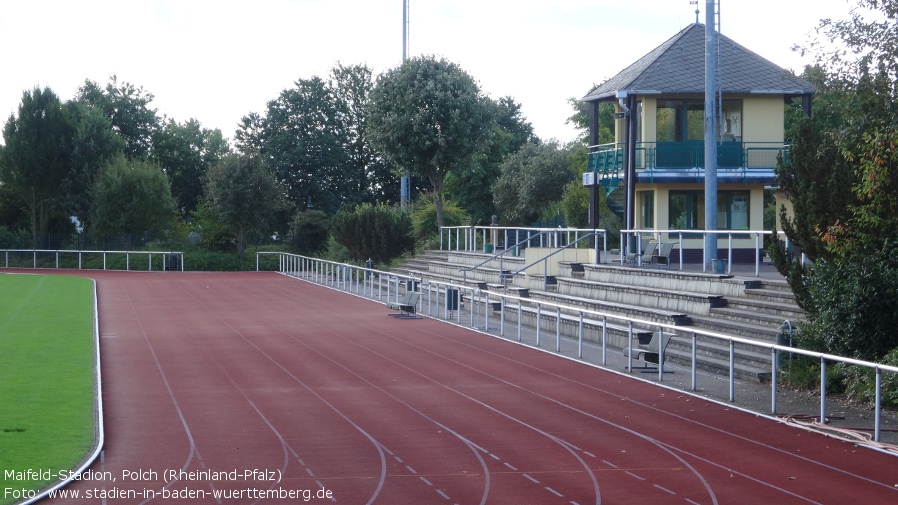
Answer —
510 466
634 475
531 479
664 489
412 470
612 465
424 480
556 493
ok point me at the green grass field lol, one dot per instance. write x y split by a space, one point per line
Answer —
47 378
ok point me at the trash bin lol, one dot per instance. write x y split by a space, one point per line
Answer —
719 266
488 248
172 262
451 299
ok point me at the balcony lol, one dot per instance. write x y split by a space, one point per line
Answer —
660 162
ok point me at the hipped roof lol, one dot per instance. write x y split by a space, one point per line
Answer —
678 66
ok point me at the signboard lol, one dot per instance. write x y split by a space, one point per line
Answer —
589 179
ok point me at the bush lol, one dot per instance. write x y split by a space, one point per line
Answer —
308 232
378 232
855 307
860 383
424 219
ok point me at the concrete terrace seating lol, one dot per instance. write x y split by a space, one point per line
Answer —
745 306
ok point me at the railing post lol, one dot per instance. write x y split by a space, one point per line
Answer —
694 362
773 380
732 371
822 390
877 413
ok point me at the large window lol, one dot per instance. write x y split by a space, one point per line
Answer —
686 210
684 120
647 210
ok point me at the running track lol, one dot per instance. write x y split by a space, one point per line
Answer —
237 372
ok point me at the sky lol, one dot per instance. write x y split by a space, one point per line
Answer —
217 61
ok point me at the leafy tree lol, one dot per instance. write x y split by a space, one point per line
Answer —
370 178
132 198
379 232
186 151
580 120
430 119
94 145
471 186
843 192
244 195
36 158
531 180
309 231
128 109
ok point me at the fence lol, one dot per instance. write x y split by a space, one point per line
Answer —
445 300
93 260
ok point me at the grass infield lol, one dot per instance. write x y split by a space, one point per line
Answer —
47 378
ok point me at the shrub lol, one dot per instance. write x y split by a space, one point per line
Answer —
378 232
855 307
308 232
860 383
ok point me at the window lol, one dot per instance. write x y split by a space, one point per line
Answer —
684 120
686 210
647 210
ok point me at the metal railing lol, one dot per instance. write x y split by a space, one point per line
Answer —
581 326
50 258
475 238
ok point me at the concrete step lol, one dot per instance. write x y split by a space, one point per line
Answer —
765 308
751 316
766 332
668 299
621 309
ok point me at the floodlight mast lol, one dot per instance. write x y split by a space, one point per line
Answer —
404 185
710 246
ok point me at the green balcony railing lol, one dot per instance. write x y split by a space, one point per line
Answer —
608 158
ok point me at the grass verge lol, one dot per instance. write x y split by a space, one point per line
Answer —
47 379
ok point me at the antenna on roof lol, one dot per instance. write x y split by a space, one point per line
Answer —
695 3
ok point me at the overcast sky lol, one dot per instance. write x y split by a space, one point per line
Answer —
217 61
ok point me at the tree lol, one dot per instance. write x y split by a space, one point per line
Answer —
94 145
128 109
308 232
840 180
243 194
370 178
186 151
36 158
429 119
531 180
472 186
131 198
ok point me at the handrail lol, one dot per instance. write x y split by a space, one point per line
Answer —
545 258
500 254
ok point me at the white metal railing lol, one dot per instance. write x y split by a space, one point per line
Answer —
477 238
37 255
386 286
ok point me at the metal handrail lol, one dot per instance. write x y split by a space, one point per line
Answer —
545 258
498 255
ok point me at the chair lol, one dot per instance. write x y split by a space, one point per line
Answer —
632 256
650 353
407 306
662 257
648 254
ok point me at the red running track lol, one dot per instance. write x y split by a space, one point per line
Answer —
231 373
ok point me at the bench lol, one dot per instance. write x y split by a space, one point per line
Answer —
650 353
407 306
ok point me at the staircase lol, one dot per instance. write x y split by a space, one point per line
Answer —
751 308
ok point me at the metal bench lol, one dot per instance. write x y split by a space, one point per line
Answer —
407 306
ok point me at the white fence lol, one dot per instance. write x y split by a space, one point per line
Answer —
42 258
